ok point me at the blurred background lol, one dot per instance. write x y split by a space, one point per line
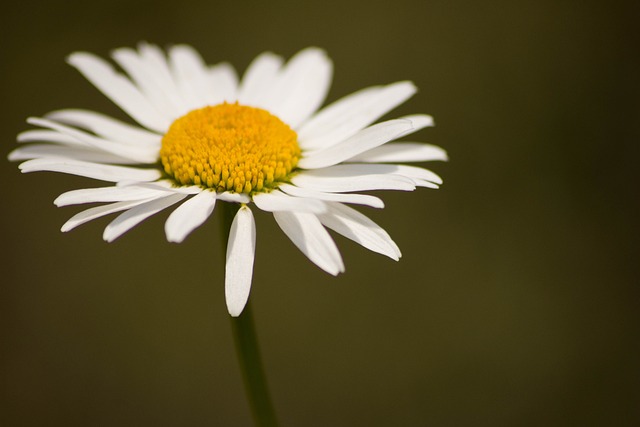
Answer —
516 300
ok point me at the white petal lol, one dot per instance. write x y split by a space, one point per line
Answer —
143 154
99 211
412 172
106 194
240 256
332 117
164 185
308 234
359 199
357 227
259 80
191 75
120 90
37 151
189 216
149 70
91 170
324 180
48 136
402 152
352 170
418 122
278 201
106 127
230 197
362 141
352 113
224 81
129 219
302 86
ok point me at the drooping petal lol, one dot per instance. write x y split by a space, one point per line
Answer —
277 201
359 228
106 127
100 211
129 219
362 141
102 172
308 234
259 80
106 194
189 216
401 152
48 136
302 86
240 256
120 90
359 199
164 185
345 117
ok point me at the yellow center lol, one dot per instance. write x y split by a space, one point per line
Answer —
230 147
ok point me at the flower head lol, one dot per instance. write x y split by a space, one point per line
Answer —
204 136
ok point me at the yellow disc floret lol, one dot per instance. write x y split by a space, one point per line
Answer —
230 147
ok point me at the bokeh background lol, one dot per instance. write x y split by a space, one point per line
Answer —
516 300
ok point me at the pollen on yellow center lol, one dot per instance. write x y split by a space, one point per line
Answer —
230 147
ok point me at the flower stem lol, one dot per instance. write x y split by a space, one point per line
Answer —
247 350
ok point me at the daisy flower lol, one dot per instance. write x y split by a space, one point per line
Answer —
205 136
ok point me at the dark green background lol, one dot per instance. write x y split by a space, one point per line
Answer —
516 301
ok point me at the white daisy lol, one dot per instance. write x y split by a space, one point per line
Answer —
206 136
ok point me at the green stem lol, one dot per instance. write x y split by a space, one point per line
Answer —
246 343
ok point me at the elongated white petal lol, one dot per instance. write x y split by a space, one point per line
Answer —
150 71
240 256
50 151
352 113
401 152
418 122
224 81
412 172
189 216
129 219
120 90
353 170
259 80
357 227
191 75
143 154
308 234
99 211
302 86
106 194
278 201
335 115
359 199
164 185
48 136
109 173
323 180
106 127
366 139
